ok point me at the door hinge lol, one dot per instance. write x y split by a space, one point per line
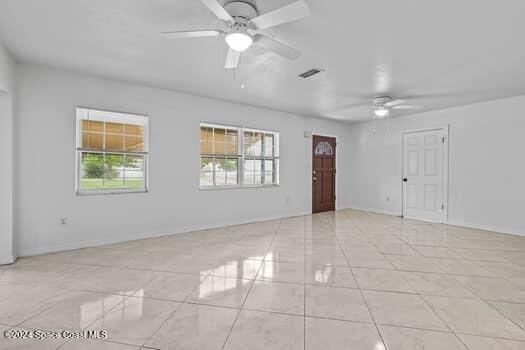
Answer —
443 139
442 206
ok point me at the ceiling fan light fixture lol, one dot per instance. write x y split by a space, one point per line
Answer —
239 41
381 112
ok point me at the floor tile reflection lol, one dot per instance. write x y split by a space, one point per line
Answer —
266 331
195 327
342 280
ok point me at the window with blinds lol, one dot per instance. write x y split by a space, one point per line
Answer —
236 156
112 152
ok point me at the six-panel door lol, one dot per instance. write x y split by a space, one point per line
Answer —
423 175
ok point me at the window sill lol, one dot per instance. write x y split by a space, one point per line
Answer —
104 192
213 188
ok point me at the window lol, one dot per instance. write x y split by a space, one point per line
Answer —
112 154
323 149
235 156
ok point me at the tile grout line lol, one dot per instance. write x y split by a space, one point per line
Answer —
304 286
125 298
486 302
468 288
428 305
443 321
360 291
357 222
176 309
250 289
475 293
362 294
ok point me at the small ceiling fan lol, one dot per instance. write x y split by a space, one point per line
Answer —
243 26
381 107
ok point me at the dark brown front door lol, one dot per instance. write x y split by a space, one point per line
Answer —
323 174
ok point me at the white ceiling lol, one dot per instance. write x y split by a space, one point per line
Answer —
461 50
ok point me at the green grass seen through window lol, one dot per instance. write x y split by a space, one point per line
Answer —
94 184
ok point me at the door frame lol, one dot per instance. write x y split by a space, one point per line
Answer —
446 131
7 254
311 175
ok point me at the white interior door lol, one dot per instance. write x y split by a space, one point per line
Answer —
424 175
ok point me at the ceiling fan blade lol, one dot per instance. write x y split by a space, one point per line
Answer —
288 13
359 111
405 107
232 59
430 95
277 47
218 10
394 103
361 105
192 34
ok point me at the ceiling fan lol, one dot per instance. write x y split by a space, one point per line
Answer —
243 26
382 106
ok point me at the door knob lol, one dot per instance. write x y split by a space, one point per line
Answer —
405 179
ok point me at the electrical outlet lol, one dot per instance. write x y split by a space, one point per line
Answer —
63 221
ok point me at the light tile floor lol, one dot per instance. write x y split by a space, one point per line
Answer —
343 280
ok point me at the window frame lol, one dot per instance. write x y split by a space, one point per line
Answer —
79 150
241 156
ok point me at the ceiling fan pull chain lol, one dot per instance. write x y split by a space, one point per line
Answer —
237 69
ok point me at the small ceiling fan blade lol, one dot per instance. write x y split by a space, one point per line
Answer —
218 10
429 95
407 107
358 105
394 103
192 34
232 59
288 13
277 47
353 111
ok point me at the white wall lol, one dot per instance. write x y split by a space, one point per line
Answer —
486 166
7 81
45 145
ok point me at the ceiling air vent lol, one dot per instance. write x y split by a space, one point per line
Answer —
310 73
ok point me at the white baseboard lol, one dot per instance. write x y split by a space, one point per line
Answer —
460 223
6 260
31 251
375 210
504 230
